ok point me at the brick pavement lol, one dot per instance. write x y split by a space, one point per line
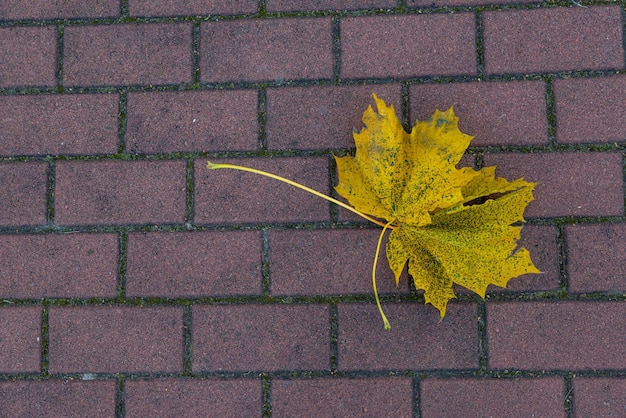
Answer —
133 282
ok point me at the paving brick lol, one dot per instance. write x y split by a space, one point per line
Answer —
23 193
45 9
417 339
261 337
58 398
59 124
596 258
233 197
126 54
327 262
191 7
599 397
108 339
320 117
445 3
540 240
569 184
590 110
404 46
475 397
496 113
295 5
160 122
330 397
274 50
556 335
58 265
169 397
184 264
28 56
20 339
119 192
553 39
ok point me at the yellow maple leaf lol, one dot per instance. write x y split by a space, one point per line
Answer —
452 225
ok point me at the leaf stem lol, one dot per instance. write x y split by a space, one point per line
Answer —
380 308
213 166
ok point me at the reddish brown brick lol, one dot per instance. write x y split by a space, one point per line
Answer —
596 258
59 124
45 9
326 262
183 264
328 397
444 3
417 339
266 50
295 5
591 110
119 192
191 7
160 122
598 396
569 184
539 240
553 39
229 196
58 398
23 193
58 265
156 53
405 46
169 397
108 339
320 117
498 113
475 397
261 337
556 335
20 340
28 56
